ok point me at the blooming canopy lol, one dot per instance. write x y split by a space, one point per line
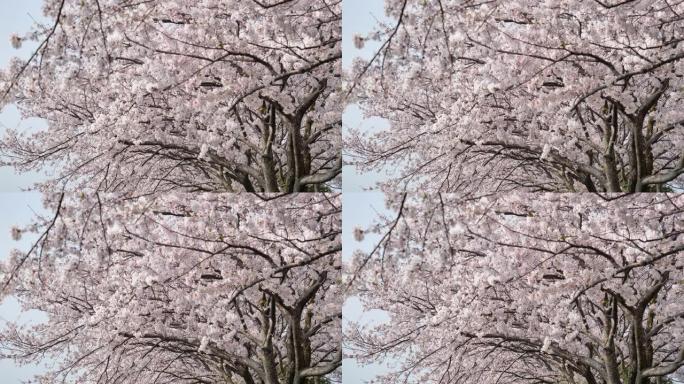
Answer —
174 95
554 95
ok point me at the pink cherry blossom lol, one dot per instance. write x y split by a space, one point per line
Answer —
15 40
220 288
208 95
559 95
16 232
558 288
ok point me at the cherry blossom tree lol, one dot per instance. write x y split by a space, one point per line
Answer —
562 288
556 95
208 95
202 288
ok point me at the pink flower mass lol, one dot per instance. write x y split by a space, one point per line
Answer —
560 288
139 90
182 288
531 96
189 155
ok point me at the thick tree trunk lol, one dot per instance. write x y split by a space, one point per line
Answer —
269 129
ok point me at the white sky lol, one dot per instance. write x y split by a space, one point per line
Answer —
16 207
17 18
360 210
359 17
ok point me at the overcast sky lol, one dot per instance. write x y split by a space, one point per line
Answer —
359 17
16 207
17 18
360 210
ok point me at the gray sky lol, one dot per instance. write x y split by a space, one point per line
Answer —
17 207
360 210
359 17
17 18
